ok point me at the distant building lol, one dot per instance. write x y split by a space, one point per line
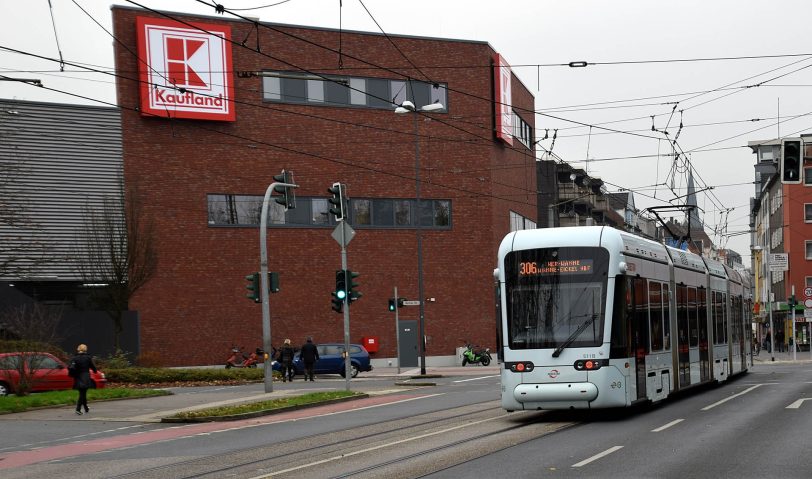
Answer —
781 220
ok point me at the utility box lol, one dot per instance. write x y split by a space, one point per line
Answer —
370 343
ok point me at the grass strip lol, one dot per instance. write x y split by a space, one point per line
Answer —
269 405
10 404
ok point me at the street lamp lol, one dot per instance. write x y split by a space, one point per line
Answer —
409 107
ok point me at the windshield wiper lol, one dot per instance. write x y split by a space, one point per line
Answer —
574 335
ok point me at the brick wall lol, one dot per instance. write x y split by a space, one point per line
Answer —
195 309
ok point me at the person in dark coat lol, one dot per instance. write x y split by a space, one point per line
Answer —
286 355
81 365
309 354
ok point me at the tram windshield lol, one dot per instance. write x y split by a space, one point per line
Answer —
556 297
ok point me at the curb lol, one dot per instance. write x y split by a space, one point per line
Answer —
265 412
414 384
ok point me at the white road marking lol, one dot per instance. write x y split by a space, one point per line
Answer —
663 428
798 403
475 379
729 398
381 446
598 456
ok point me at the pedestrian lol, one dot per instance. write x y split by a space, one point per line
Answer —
309 354
80 367
286 355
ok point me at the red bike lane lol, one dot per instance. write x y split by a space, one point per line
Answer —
62 451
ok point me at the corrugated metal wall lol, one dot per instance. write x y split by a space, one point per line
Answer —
55 161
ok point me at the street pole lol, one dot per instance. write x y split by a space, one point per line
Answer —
397 328
264 286
420 294
770 307
346 309
794 346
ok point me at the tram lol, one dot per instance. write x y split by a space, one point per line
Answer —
593 317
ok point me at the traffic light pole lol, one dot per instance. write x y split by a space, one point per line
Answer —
346 310
397 326
264 286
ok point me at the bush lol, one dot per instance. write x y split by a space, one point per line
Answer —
119 360
137 375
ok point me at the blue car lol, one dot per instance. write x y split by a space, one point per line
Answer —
331 360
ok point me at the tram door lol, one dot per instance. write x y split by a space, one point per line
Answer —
684 358
639 331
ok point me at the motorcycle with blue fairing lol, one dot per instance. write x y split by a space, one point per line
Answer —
476 355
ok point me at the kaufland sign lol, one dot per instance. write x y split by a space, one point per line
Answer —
504 107
185 69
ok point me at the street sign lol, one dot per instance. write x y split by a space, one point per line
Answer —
411 303
808 292
808 303
779 262
808 314
343 231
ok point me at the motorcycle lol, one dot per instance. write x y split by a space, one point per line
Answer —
238 359
476 355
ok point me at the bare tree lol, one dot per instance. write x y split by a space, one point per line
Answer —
20 249
36 327
117 251
33 322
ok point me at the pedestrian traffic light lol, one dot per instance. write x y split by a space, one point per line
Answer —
339 202
791 161
253 286
392 304
340 293
288 194
352 294
792 302
400 302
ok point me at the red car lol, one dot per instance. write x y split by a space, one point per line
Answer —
49 373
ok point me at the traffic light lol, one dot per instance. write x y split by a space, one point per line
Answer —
400 302
273 282
339 204
288 195
352 294
253 286
392 304
792 302
340 293
791 161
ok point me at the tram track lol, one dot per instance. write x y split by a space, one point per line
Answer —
285 454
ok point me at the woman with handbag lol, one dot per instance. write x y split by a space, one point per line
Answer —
80 367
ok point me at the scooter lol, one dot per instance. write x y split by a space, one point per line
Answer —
238 359
476 355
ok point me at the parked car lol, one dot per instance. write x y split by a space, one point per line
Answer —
49 373
331 360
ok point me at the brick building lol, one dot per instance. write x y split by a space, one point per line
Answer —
320 103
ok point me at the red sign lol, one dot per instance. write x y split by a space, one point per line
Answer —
185 71
504 108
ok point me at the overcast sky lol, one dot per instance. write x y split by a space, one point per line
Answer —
636 45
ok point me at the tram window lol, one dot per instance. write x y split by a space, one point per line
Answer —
693 320
656 315
666 319
682 315
702 317
724 317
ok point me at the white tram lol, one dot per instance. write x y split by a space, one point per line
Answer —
593 317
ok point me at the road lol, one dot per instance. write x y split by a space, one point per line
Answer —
754 426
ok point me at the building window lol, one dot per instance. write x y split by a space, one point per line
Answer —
808 245
296 87
522 131
246 210
519 222
808 282
808 176
808 212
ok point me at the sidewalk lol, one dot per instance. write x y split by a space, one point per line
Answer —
193 398
765 357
